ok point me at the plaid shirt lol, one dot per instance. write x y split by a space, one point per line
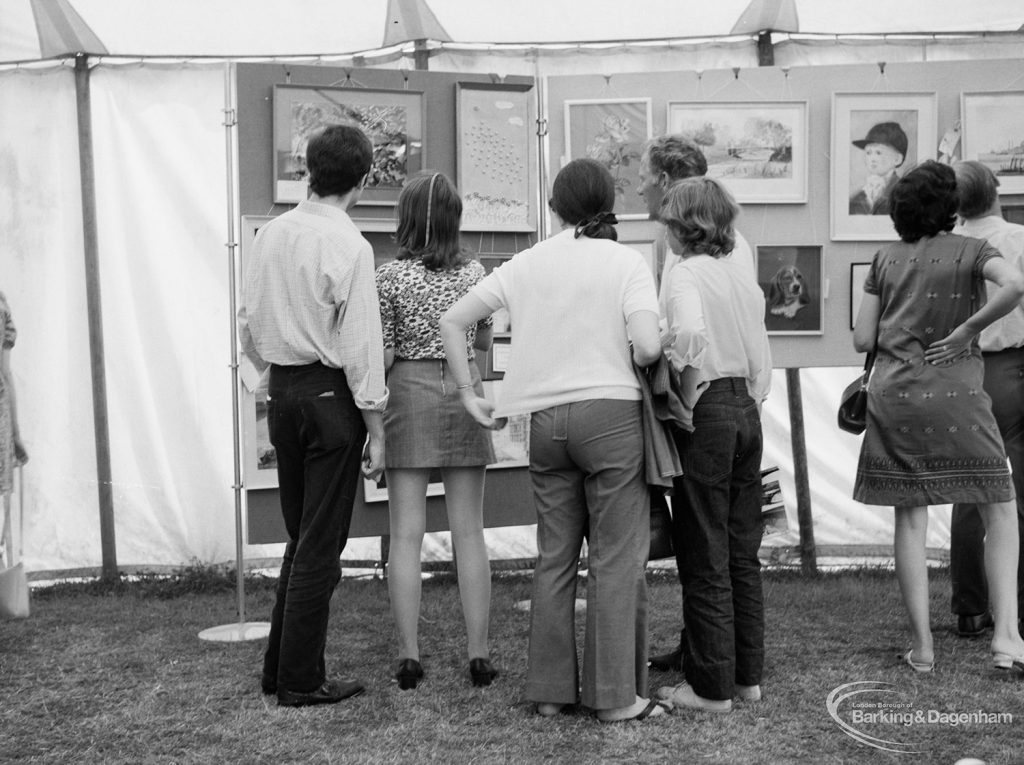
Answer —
309 295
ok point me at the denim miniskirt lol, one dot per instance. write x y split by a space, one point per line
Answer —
425 423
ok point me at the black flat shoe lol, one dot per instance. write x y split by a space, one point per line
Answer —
331 692
409 673
482 672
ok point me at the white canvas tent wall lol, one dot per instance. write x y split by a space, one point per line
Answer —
157 114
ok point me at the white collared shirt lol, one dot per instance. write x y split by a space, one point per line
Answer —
716 314
309 295
1008 238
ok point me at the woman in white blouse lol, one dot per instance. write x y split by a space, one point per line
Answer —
717 343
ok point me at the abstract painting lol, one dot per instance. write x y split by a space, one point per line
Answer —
497 157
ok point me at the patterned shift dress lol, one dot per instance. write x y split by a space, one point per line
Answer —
7 336
931 437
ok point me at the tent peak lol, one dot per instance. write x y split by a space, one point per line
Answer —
412 20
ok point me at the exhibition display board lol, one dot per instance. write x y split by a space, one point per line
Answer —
783 140
479 132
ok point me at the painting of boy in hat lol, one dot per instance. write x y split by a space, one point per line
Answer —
883 151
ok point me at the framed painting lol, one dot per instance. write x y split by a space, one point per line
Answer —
497 156
792 279
1014 213
758 149
876 137
858 273
612 131
992 132
512 442
393 119
497 356
259 461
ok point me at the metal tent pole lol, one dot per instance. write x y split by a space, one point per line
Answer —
241 630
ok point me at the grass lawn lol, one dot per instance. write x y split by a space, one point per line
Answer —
104 674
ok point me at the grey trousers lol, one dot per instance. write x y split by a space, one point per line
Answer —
586 468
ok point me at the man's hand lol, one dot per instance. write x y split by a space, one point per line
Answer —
373 458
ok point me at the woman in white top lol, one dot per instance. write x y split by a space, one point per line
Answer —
575 301
718 343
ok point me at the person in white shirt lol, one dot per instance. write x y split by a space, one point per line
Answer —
309 312
1002 349
718 345
576 300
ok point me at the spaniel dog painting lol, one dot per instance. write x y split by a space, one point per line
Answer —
787 292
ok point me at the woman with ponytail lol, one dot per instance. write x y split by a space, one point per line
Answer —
576 300
426 428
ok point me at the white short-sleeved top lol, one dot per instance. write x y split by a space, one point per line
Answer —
568 301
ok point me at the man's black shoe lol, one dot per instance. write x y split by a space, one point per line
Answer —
972 626
331 692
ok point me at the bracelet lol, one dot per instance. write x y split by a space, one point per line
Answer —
463 387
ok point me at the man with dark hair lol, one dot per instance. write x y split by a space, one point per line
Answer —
665 161
1002 348
310 313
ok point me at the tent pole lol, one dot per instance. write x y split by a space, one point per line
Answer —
240 631
808 556
90 243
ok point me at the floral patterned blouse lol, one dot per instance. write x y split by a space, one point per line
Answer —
412 301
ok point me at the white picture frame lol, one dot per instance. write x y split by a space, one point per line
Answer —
792 278
854 116
757 149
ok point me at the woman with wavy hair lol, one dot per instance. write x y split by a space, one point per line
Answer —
576 300
426 428
931 437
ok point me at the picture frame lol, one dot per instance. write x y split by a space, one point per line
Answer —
865 128
497 356
612 131
393 119
1014 214
757 149
512 442
858 273
259 462
792 279
496 165
992 132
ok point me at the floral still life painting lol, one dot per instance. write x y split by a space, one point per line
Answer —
392 121
613 133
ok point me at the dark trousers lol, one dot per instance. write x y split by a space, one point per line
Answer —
1004 383
318 434
720 530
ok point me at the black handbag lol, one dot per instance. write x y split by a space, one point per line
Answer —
853 404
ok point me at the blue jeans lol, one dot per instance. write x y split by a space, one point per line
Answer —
318 434
720 529
586 467
1004 383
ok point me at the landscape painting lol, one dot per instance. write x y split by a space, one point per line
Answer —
757 149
